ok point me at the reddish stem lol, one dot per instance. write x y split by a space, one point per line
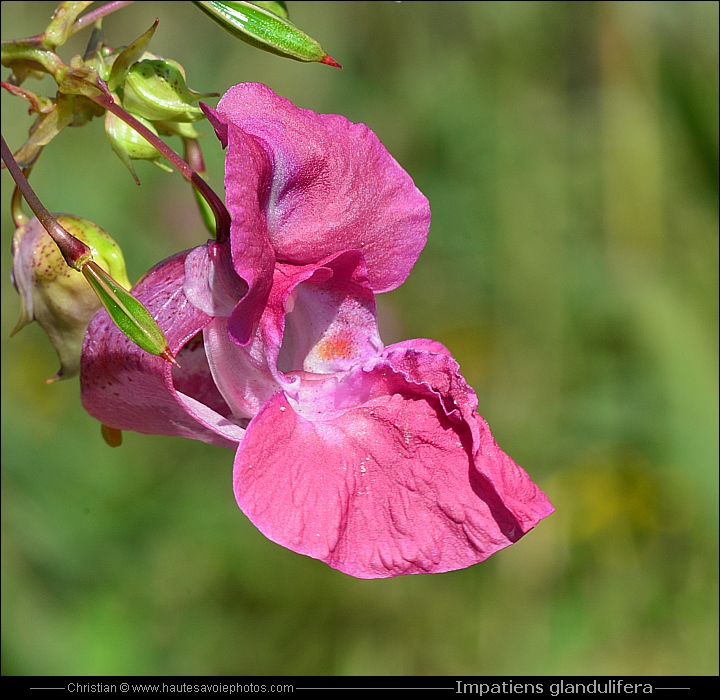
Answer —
96 14
222 217
75 252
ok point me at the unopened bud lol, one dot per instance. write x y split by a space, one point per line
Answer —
55 295
156 90
129 145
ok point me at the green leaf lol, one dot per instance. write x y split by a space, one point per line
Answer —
264 29
26 60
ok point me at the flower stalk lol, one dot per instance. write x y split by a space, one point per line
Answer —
75 252
130 316
222 218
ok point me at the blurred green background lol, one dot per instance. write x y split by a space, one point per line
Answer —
569 151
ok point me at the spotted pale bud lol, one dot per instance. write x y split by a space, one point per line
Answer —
155 89
55 295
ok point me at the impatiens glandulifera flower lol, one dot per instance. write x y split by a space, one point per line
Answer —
370 458
55 295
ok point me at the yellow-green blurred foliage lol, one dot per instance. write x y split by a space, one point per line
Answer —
570 152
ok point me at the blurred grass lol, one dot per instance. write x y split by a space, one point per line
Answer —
570 154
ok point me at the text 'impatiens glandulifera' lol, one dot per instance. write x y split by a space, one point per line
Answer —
370 458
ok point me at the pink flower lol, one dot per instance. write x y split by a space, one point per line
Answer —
371 459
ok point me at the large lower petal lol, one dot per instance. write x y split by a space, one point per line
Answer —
126 388
325 185
399 483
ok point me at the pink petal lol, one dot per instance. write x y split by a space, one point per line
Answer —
248 174
124 387
242 374
211 283
440 373
422 344
330 323
327 185
389 486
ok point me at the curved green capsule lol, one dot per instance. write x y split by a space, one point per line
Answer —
129 145
128 314
279 8
266 30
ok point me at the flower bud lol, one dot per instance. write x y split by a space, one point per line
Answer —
156 90
55 295
129 145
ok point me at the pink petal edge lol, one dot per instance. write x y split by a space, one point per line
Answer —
124 387
390 486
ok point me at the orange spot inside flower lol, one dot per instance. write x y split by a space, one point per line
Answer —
334 348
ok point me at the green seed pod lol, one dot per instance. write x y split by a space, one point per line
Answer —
55 295
127 313
266 30
156 90
279 8
184 130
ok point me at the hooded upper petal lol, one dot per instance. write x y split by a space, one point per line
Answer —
324 185
396 481
126 388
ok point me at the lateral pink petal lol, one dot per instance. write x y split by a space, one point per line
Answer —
388 487
211 283
125 387
333 185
